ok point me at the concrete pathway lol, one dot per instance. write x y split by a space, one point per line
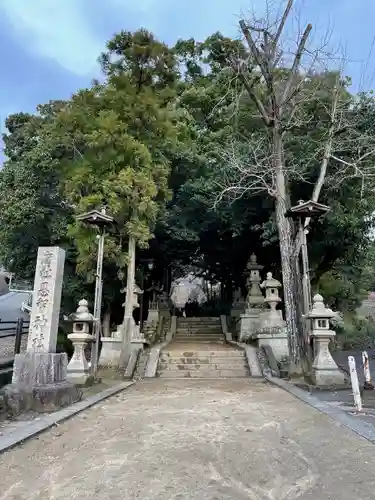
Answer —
10 306
228 439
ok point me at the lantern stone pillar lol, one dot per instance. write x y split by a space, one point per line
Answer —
272 317
249 322
325 371
78 367
153 308
163 304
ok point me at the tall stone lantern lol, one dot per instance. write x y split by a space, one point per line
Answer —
325 371
272 286
78 367
254 296
250 319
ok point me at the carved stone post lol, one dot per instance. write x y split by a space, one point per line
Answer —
78 367
325 371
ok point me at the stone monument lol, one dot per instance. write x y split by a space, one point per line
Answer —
325 371
39 380
250 319
78 367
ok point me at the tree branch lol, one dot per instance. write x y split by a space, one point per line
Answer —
295 65
282 24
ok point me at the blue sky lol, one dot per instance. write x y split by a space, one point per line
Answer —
49 47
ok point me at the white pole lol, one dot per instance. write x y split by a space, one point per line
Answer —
366 370
355 383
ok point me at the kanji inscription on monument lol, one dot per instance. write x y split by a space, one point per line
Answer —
44 320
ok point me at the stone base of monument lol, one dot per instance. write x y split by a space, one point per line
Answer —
249 323
111 351
327 377
325 371
277 339
39 384
153 316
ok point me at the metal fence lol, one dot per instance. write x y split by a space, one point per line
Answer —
13 329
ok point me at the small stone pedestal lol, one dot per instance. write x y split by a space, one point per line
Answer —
325 372
111 348
40 383
277 339
249 323
138 339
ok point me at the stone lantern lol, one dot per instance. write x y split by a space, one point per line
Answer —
78 367
272 286
272 331
249 320
254 297
325 371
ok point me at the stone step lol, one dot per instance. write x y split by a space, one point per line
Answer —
199 355
197 332
198 324
231 363
202 366
186 353
199 329
198 337
201 324
198 318
240 373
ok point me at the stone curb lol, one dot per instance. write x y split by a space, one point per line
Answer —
31 429
363 429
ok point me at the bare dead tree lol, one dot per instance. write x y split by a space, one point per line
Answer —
280 86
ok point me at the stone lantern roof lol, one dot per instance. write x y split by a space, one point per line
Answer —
319 310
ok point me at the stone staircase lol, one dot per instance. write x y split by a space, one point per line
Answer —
199 330
199 350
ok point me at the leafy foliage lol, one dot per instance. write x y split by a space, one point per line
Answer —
151 143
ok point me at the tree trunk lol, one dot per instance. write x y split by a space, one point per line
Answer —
284 227
128 313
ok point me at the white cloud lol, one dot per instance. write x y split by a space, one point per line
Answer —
56 29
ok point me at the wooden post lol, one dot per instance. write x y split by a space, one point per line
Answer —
355 383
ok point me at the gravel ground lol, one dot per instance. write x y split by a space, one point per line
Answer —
218 440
